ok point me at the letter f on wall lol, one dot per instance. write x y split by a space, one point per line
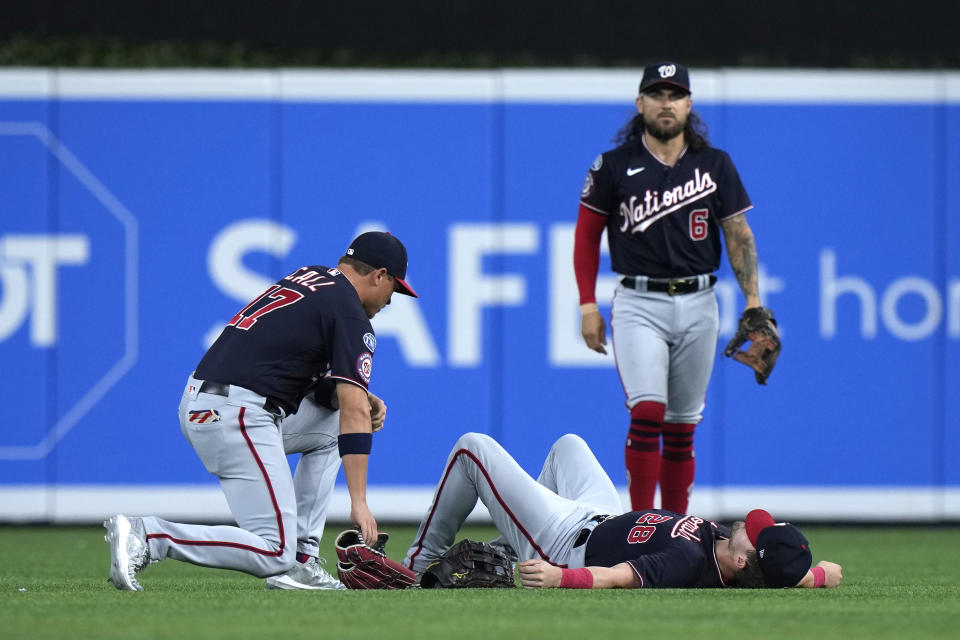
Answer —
470 290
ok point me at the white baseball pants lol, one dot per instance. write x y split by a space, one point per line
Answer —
537 518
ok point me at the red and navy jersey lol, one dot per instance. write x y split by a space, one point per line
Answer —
664 222
664 549
308 325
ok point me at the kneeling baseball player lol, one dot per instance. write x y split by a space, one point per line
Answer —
289 374
567 529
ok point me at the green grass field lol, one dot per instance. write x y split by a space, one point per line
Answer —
899 583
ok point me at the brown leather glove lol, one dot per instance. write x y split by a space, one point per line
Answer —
758 326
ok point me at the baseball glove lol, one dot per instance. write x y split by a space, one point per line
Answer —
469 564
758 326
364 567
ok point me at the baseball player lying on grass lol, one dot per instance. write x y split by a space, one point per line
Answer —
567 530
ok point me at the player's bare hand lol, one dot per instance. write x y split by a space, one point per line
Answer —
537 574
360 515
833 573
594 331
378 412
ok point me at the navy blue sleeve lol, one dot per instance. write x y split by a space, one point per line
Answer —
673 568
352 343
730 190
599 193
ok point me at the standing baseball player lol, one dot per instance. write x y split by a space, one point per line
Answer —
664 196
567 530
288 374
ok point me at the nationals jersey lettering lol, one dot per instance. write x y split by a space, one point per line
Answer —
640 213
664 549
662 221
688 528
308 326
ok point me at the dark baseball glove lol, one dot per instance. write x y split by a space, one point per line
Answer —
364 567
469 564
758 326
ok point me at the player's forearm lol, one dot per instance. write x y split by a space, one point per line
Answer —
742 253
355 472
620 576
586 253
355 438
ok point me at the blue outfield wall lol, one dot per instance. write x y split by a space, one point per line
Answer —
138 212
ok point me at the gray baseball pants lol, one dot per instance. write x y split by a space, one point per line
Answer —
539 518
245 446
664 348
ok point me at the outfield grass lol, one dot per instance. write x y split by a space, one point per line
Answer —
899 583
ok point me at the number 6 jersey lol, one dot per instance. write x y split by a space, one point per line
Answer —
663 222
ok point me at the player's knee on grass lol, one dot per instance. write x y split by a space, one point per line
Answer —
274 566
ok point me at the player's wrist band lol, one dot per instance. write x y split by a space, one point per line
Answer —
576 579
819 577
355 443
589 307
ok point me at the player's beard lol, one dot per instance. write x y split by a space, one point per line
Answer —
735 527
661 133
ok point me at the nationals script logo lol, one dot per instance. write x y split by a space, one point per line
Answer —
687 528
639 213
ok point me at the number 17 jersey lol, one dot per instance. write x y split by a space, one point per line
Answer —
309 325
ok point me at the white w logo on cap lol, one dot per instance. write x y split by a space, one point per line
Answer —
667 70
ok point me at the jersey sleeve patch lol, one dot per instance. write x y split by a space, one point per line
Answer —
599 188
351 340
587 186
365 366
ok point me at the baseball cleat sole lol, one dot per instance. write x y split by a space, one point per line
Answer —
118 532
285 582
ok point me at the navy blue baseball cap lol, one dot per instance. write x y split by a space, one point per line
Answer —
782 552
668 73
380 249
